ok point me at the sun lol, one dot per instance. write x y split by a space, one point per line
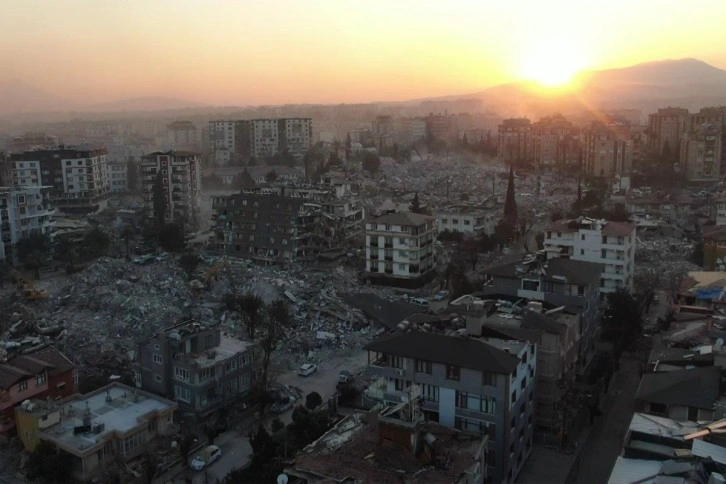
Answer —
552 63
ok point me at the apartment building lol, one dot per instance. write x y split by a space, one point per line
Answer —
265 226
556 143
702 154
119 176
516 143
42 373
555 283
607 150
611 244
23 211
484 385
719 206
466 220
180 173
714 249
197 365
295 135
182 135
77 177
115 422
400 249
666 128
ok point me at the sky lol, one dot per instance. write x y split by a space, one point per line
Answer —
241 52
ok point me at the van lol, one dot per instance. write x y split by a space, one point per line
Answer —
419 301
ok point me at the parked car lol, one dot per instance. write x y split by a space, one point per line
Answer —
307 369
208 455
419 301
281 406
441 295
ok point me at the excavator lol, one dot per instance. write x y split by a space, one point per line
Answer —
30 293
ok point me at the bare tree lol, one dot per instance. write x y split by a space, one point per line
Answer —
647 282
276 323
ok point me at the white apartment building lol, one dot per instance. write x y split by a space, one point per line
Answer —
721 210
466 222
119 175
400 249
265 137
77 178
23 211
295 135
611 244
182 135
181 175
223 141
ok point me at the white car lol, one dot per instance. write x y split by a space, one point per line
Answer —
307 369
210 454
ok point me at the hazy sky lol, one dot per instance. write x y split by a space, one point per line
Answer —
279 51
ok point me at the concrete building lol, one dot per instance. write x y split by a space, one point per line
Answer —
666 128
466 220
516 143
119 176
33 141
182 136
556 143
415 130
400 249
702 154
228 142
720 210
23 211
484 385
714 249
558 282
198 366
180 173
611 244
607 150
359 449
295 135
77 177
116 422
42 373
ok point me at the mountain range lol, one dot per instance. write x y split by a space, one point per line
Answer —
688 83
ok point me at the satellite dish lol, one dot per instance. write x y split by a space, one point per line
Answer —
282 479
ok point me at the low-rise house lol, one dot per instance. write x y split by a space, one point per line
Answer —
96 429
484 385
390 446
680 394
702 289
466 220
198 366
43 373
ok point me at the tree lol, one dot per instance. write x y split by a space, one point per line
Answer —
348 145
622 321
50 464
313 400
171 237
469 248
504 232
127 234
286 158
415 204
65 251
185 446
33 251
159 201
276 323
510 204
250 306
189 262
371 163
696 257
646 283
96 242
132 176
252 161
271 176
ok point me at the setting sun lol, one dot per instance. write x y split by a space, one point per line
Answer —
552 64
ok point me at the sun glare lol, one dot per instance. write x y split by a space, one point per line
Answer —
552 64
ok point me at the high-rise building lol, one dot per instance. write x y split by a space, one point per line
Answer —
180 173
23 211
295 135
516 143
608 150
182 135
666 127
556 143
702 156
77 178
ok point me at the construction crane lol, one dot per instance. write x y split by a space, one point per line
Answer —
30 293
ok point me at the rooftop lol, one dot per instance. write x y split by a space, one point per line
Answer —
115 408
228 347
558 269
449 350
606 227
24 366
697 387
403 218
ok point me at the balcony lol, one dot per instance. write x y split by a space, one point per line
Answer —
388 258
388 246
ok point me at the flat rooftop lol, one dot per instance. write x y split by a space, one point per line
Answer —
228 347
115 408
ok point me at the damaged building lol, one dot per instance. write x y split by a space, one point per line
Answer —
196 365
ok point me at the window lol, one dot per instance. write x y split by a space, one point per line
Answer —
582 251
444 220
430 392
603 253
206 374
157 378
133 442
401 267
158 359
181 373
514 396
488 379
40 378
182 394
23 385
479 403
604 239
582 237
401 240
423 366
467 222
455 221
230 366
453 372
530 285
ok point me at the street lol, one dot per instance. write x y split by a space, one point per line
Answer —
236 453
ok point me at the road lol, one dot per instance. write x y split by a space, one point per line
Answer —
235 453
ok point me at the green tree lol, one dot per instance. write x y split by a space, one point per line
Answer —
171 237
510 204
276 324
371 163
415 204
159 201
313 400
50 464
65 252
504 233
189 263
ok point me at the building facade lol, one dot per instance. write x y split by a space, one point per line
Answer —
607 150
236 141
556 143
182 135
702 153
468 222
119 176
23 211
200 368
666 128
77 177
400 249
485 385
611 244
180 173
516 143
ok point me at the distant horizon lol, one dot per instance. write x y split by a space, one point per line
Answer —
245 53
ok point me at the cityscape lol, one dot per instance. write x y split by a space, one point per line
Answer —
396 242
